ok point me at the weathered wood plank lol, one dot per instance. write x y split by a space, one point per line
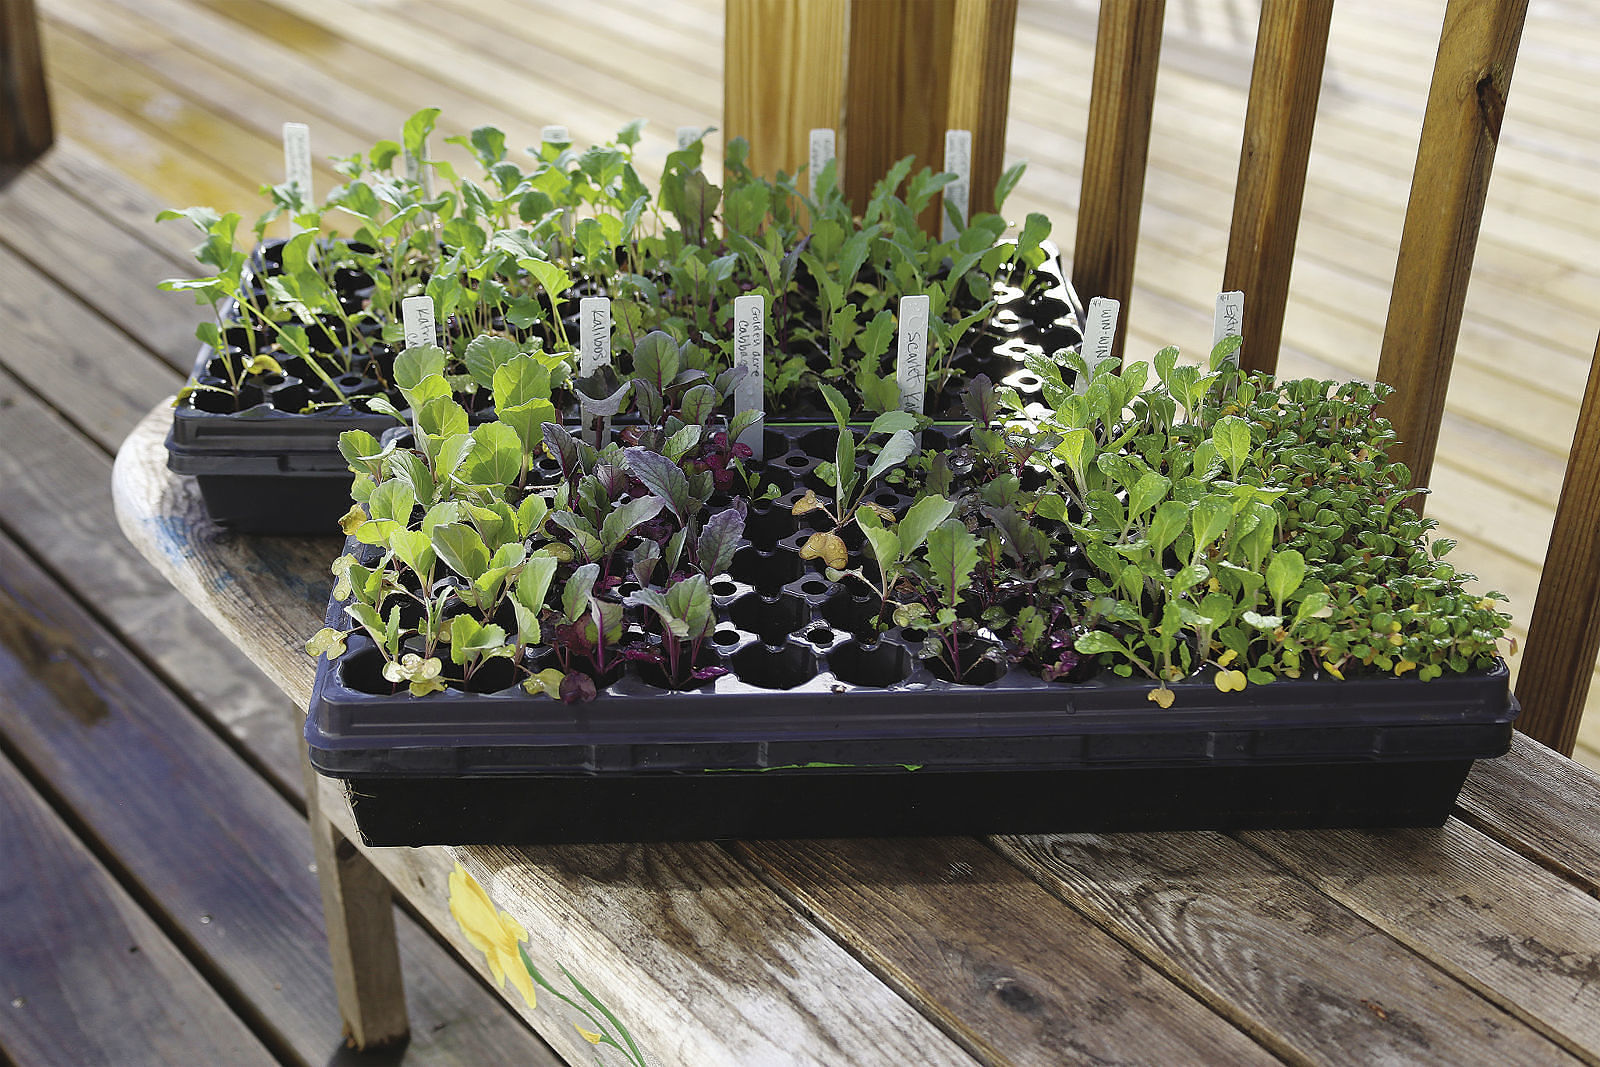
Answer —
1542 805
1056 991
783 76
207 842
701 962
98 262
1564 634
1291 46
1126 55
25 126
1466 103
1525 939
1296 970
86 977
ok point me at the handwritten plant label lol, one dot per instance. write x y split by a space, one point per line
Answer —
1099 340
416 312
688 135
957 161
1229 320
594 350
297 164
911 360
749 352
822 149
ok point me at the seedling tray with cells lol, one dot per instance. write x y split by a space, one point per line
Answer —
898 628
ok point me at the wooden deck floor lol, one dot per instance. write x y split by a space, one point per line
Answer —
149 782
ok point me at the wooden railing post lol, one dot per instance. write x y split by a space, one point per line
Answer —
1285 82
1126 55
25 126
915 69
1564 633
1466 102
783 76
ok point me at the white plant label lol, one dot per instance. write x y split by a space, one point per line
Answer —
822 149
594 347
749 352
1100 338
911 360
416 312
958 161
688 135
297 163
1229 320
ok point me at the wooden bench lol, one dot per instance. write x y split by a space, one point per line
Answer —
1476 942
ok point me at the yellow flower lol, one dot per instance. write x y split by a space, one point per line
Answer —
588 1035
492 932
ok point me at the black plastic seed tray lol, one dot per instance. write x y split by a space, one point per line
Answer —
823 729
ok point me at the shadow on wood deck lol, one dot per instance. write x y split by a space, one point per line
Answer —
148 781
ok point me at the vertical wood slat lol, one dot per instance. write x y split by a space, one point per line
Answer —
980 88
783 76
1127 52
897 89
25 126
1564 633
1285 82
1466 101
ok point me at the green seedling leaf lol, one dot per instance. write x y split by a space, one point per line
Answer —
885 544
895 451
664 478
1231 436
496 457
625 518
417 363
719 538
921 519
485 354
579 591
1284 574
462 550
952 555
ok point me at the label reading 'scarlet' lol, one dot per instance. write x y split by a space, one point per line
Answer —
749 353
911 360
1229 320
416 312
821 155
1100 338
957 161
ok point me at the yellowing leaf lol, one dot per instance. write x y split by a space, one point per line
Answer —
1227 657
1331 669
1403 666
547 683
326 641
829 547
1162 696
263 364
807 503
353 519
588 1035
1230 681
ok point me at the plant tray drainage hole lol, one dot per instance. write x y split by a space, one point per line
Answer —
875 665
764 526
766 573
724 587
772 620
363 672
854 613
814 587
821 636
725 638
775 668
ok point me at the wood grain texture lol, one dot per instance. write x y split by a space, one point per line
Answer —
1285 82
980 88
1302 974
897 91
26 129
783 67
1117 146
1541 804
1564 633
925 916
220 857
699 960
1460 131
1524 939
86 978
